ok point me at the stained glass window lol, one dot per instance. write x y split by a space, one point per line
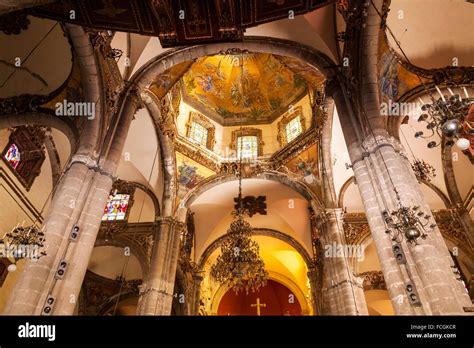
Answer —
116 207
293 129
199 133
13 156
247 146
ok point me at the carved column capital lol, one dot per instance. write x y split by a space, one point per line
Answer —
373 143
334 214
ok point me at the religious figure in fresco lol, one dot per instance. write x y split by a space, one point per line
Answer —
187 175
390 82
308 171
389 79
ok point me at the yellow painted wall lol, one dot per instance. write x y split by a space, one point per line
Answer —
9 283
224 134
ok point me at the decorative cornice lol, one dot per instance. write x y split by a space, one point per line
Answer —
293 149
196 153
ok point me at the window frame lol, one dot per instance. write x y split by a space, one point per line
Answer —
30 144
196 117
122 187
287 117
247 131
239 149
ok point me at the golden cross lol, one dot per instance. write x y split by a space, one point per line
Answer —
258 305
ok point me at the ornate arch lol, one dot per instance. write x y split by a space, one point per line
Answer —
144 77
218 179
305 304
62 124
258 232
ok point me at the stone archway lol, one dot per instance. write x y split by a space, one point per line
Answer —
218 179
145 76
308 304
174 216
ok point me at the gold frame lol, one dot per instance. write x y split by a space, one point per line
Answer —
203 121
287 118
251 132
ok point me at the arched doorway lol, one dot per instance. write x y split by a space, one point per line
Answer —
288 290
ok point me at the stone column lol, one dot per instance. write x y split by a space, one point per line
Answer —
313 275
197 278
66 205
342 293
380 167
156 296
79 201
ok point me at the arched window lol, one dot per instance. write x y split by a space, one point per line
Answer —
247 143
291 125
120 201
200 130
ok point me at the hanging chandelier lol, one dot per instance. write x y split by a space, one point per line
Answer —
407 222
23 242
239 265
424 171
447 117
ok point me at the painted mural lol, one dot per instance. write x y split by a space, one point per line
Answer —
163 82
189 173
256 86
394 79
313 76
304 167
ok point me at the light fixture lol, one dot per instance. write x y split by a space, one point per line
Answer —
423 171
23 242
446 116
239 265
410 223
463 143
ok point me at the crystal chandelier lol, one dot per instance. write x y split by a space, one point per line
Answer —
24 242
239 265
446 116
408 222
423 171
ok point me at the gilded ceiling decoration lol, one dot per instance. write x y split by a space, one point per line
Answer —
394 79
314 78
163 82
206 21
305 167
255 86
189 173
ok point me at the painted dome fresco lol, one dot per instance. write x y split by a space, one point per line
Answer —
255 86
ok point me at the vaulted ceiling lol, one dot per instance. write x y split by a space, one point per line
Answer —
256 87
